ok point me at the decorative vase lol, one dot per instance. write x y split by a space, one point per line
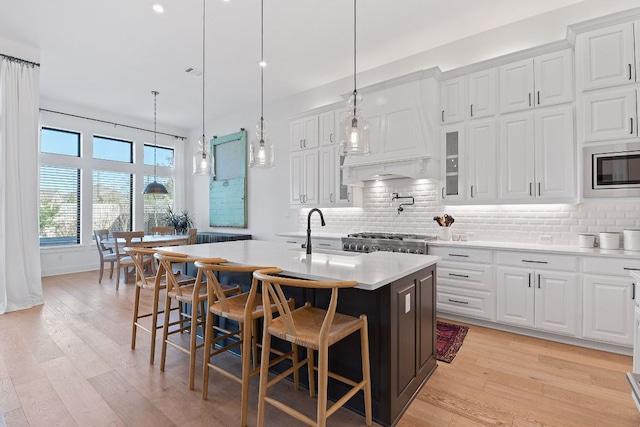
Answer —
444 233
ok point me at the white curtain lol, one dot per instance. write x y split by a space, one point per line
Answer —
20 282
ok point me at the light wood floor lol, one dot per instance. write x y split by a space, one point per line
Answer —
69 363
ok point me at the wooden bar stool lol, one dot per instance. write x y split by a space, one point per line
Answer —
146 280
315 329
193 294
244 308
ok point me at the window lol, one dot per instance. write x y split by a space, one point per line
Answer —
59 209
156 205
112 200
112 149
164 156
59 206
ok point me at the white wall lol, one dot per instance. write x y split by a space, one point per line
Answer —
268 191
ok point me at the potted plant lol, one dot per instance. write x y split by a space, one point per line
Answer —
182 221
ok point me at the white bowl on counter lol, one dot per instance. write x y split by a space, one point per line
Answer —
609 240
631 237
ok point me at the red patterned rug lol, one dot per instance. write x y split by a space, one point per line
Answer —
449 341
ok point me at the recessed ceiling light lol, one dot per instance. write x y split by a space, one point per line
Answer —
158 8
262 63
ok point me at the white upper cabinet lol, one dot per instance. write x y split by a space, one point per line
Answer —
452 105
304 133
610 114
609 56
538 82
537 155
482 156
453 168
327 128
482 94
304 177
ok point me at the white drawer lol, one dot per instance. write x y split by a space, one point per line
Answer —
462 254
466 275
615 266
466 302
537 260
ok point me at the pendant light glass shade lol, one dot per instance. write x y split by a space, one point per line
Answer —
261 150
354 138
155 187
203 162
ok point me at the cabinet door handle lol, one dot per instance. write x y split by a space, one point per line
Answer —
458 275
458 302
539 189
631 120
472 191
471 110
529 279
535 262
633 290
442 192
459 255
331 197
331 138
538 281
300 143
349 196
630 76
538 97
529 99
442 116
531 188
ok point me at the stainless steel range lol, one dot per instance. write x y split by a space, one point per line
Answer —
390 242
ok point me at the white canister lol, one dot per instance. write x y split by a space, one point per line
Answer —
586 240
631 237
609 240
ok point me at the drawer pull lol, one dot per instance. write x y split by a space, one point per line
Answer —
291 241
631 269
535 262
459 255
458 275
458 302
324 244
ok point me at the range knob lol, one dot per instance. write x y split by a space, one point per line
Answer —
352 246
402 250
419 251
365 248
389 249
358 247
375 248
345 246
409 251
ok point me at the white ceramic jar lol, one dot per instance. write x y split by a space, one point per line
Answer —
586 240
631 237
609 240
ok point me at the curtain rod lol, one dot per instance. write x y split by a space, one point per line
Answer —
112 123
23 61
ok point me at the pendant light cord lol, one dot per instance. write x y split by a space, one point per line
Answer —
261 71
355 86
204 14
155 145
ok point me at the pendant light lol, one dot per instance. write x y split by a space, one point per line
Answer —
202 159
261 150
155 187
355 128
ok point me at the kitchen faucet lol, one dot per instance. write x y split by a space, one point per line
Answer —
308 244
396 196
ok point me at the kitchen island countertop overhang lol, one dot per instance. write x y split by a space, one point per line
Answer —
370 270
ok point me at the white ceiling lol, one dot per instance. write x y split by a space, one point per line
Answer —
110 55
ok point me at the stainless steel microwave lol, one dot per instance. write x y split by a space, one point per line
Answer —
612 170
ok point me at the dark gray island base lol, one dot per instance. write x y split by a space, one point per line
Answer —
402 340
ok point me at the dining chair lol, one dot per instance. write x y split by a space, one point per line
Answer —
123 260
193 295
163 231
316 329
153 283
106 254
193 235
244 308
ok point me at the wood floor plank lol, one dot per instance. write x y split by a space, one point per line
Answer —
16 418
41 404
9 400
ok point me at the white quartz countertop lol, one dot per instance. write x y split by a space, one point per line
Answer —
532 247
316 234
371 271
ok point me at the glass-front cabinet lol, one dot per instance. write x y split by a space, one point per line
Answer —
452 175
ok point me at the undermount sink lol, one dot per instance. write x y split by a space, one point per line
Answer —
326 252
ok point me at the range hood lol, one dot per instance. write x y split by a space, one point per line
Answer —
404 135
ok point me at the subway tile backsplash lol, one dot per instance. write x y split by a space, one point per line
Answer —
517 223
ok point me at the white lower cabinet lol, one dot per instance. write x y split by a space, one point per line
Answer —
608 308
466 284
531 294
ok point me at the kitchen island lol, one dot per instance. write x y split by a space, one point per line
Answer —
395 291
